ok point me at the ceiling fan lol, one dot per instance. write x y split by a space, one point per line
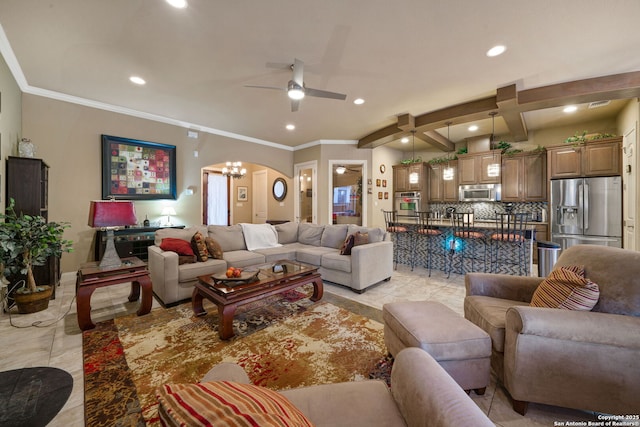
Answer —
296 89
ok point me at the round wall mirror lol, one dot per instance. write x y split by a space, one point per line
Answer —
279 189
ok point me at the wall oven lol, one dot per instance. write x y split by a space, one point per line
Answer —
407 203
480 193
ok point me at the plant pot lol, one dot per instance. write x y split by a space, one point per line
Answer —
33 302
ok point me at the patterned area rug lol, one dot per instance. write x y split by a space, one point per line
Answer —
282 342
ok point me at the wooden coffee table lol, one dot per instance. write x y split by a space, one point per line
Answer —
227 296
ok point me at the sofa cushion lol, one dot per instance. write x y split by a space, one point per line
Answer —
190 272
336 261
490 314
178 233
230 237
333 236
310 234
199 246
287 232
313 254
214 248
186 259
243 258
566 289
376 234
179 246
287 252
347 245
226 403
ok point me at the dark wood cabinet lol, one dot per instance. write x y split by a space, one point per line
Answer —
441 190
129 242
28 185
524 177
401 174
593 158
473 168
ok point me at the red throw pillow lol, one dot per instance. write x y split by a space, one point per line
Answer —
181 247
346 247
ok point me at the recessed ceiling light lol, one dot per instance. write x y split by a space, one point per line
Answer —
404 140
137 80
290 127
570 109
473 128
178 4
496 50
358 101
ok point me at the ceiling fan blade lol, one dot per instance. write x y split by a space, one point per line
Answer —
295 104
298 70
266 87
324 94
279 65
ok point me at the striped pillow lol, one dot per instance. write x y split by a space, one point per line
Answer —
225 403
567 288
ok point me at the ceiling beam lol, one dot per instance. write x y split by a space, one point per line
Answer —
507 100
510 103
435 139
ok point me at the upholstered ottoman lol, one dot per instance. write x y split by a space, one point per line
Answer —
459 346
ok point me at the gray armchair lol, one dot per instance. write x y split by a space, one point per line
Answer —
586 360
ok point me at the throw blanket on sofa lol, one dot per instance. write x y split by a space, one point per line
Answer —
260 236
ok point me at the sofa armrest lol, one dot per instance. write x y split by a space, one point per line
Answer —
371 263
505 286
427 396
578 326
163 269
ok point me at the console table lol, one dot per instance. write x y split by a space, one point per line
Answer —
91 277
129 242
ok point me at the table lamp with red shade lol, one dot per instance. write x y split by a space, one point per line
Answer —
111 215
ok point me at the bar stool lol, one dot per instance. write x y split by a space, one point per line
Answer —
509 234
426 231
400 235
466 240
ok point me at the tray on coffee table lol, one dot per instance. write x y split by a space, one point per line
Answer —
245 277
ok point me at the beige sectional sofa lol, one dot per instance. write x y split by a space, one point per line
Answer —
314 244
422 395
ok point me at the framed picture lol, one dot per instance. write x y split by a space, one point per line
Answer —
379 195
243 194
384 182
137 170
378 181
386 195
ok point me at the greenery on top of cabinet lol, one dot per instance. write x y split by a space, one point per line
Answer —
584 137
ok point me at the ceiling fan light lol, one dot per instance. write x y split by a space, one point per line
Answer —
295 93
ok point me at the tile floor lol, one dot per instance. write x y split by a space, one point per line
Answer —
52 338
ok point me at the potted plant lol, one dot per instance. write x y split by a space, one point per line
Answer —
27 241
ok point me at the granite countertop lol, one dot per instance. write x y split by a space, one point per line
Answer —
479 224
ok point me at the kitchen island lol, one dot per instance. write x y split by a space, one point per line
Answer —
439 253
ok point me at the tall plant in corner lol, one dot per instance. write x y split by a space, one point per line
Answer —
27 241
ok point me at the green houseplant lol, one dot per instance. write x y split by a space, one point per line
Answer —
27 241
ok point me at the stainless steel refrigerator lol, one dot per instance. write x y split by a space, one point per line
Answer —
586 211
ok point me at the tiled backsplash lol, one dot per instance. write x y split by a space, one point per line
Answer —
487 210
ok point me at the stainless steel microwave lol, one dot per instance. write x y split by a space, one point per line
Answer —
480 193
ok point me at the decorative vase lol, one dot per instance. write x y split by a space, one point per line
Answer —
33 302
26 148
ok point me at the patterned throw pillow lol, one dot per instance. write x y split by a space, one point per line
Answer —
567 288
179 246
346 247
199 246
226 403
360 239
214 248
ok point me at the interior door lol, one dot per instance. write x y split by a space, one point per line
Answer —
259 207
629 177
305 192
347 201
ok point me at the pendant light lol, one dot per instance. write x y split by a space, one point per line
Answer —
493 169
447 173
414 177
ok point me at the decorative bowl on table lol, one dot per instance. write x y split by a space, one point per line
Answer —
238 279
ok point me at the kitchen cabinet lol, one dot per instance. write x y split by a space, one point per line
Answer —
472 168
524 177
593 158
439 189
401 177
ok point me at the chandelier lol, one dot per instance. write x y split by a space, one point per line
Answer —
234 170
